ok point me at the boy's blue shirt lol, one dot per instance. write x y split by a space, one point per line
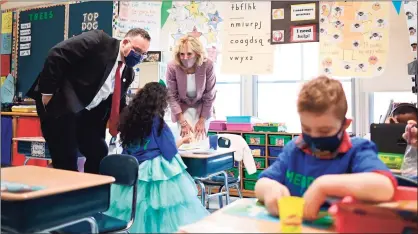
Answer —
297 169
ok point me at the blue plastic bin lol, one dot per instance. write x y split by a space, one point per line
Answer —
261 148
271 160
239 119
274 151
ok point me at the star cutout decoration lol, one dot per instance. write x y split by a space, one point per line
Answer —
178 35
193 8
214 19
211 36
202 18
195 33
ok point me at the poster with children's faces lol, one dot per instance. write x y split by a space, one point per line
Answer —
410 8
354 38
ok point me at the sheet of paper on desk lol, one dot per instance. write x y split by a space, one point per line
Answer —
213 227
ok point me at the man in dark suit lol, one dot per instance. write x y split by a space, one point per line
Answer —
83 84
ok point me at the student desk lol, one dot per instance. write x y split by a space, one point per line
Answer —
204 166
66 197
219 222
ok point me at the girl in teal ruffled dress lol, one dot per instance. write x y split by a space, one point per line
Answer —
167 194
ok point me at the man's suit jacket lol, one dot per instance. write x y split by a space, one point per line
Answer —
76 69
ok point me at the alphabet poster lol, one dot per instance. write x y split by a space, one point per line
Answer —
145 15
246 40
354 38
411 20
86 16
294 22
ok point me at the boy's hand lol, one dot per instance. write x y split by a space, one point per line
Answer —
272 197
314 197
186 140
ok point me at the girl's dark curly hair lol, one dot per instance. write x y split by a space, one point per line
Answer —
137 118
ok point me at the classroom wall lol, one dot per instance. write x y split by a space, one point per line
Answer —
17 4
395 77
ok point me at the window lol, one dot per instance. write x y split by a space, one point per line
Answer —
228 95
381 101
277 93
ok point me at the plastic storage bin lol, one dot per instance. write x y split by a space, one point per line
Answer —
279 140
271 161
243 127
233 172
351 219
249 185
275 151
266 128
260 163
258 150
252 176
255 139
217 125
392 161
240 119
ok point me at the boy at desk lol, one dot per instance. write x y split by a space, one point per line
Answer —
323 161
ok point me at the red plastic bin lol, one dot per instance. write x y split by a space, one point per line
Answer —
243 127
352 218
217 125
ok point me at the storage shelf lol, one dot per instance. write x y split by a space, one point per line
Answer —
267 157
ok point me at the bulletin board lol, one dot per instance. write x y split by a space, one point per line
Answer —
39 30
86 16
294 22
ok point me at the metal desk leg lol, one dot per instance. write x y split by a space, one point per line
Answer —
92 221
226 186
202 191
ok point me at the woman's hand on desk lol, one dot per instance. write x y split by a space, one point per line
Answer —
199 129
185 128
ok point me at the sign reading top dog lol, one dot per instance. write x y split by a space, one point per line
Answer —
294 22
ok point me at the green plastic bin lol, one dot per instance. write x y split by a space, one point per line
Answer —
260 162
255 139
392 161
211 133
279 140
266 128
249 185
233 172
253 176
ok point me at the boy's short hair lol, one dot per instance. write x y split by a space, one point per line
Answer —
320 94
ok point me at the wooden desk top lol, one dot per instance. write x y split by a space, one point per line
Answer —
219 151
55 181
31 139
29 114
220 222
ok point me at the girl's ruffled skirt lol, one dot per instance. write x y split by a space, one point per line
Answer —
166 198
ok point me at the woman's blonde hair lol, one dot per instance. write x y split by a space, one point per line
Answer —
196 47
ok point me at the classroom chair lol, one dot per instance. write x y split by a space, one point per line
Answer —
218 181
124 168
406 182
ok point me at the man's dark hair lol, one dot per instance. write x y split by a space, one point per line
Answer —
138 32
405 108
